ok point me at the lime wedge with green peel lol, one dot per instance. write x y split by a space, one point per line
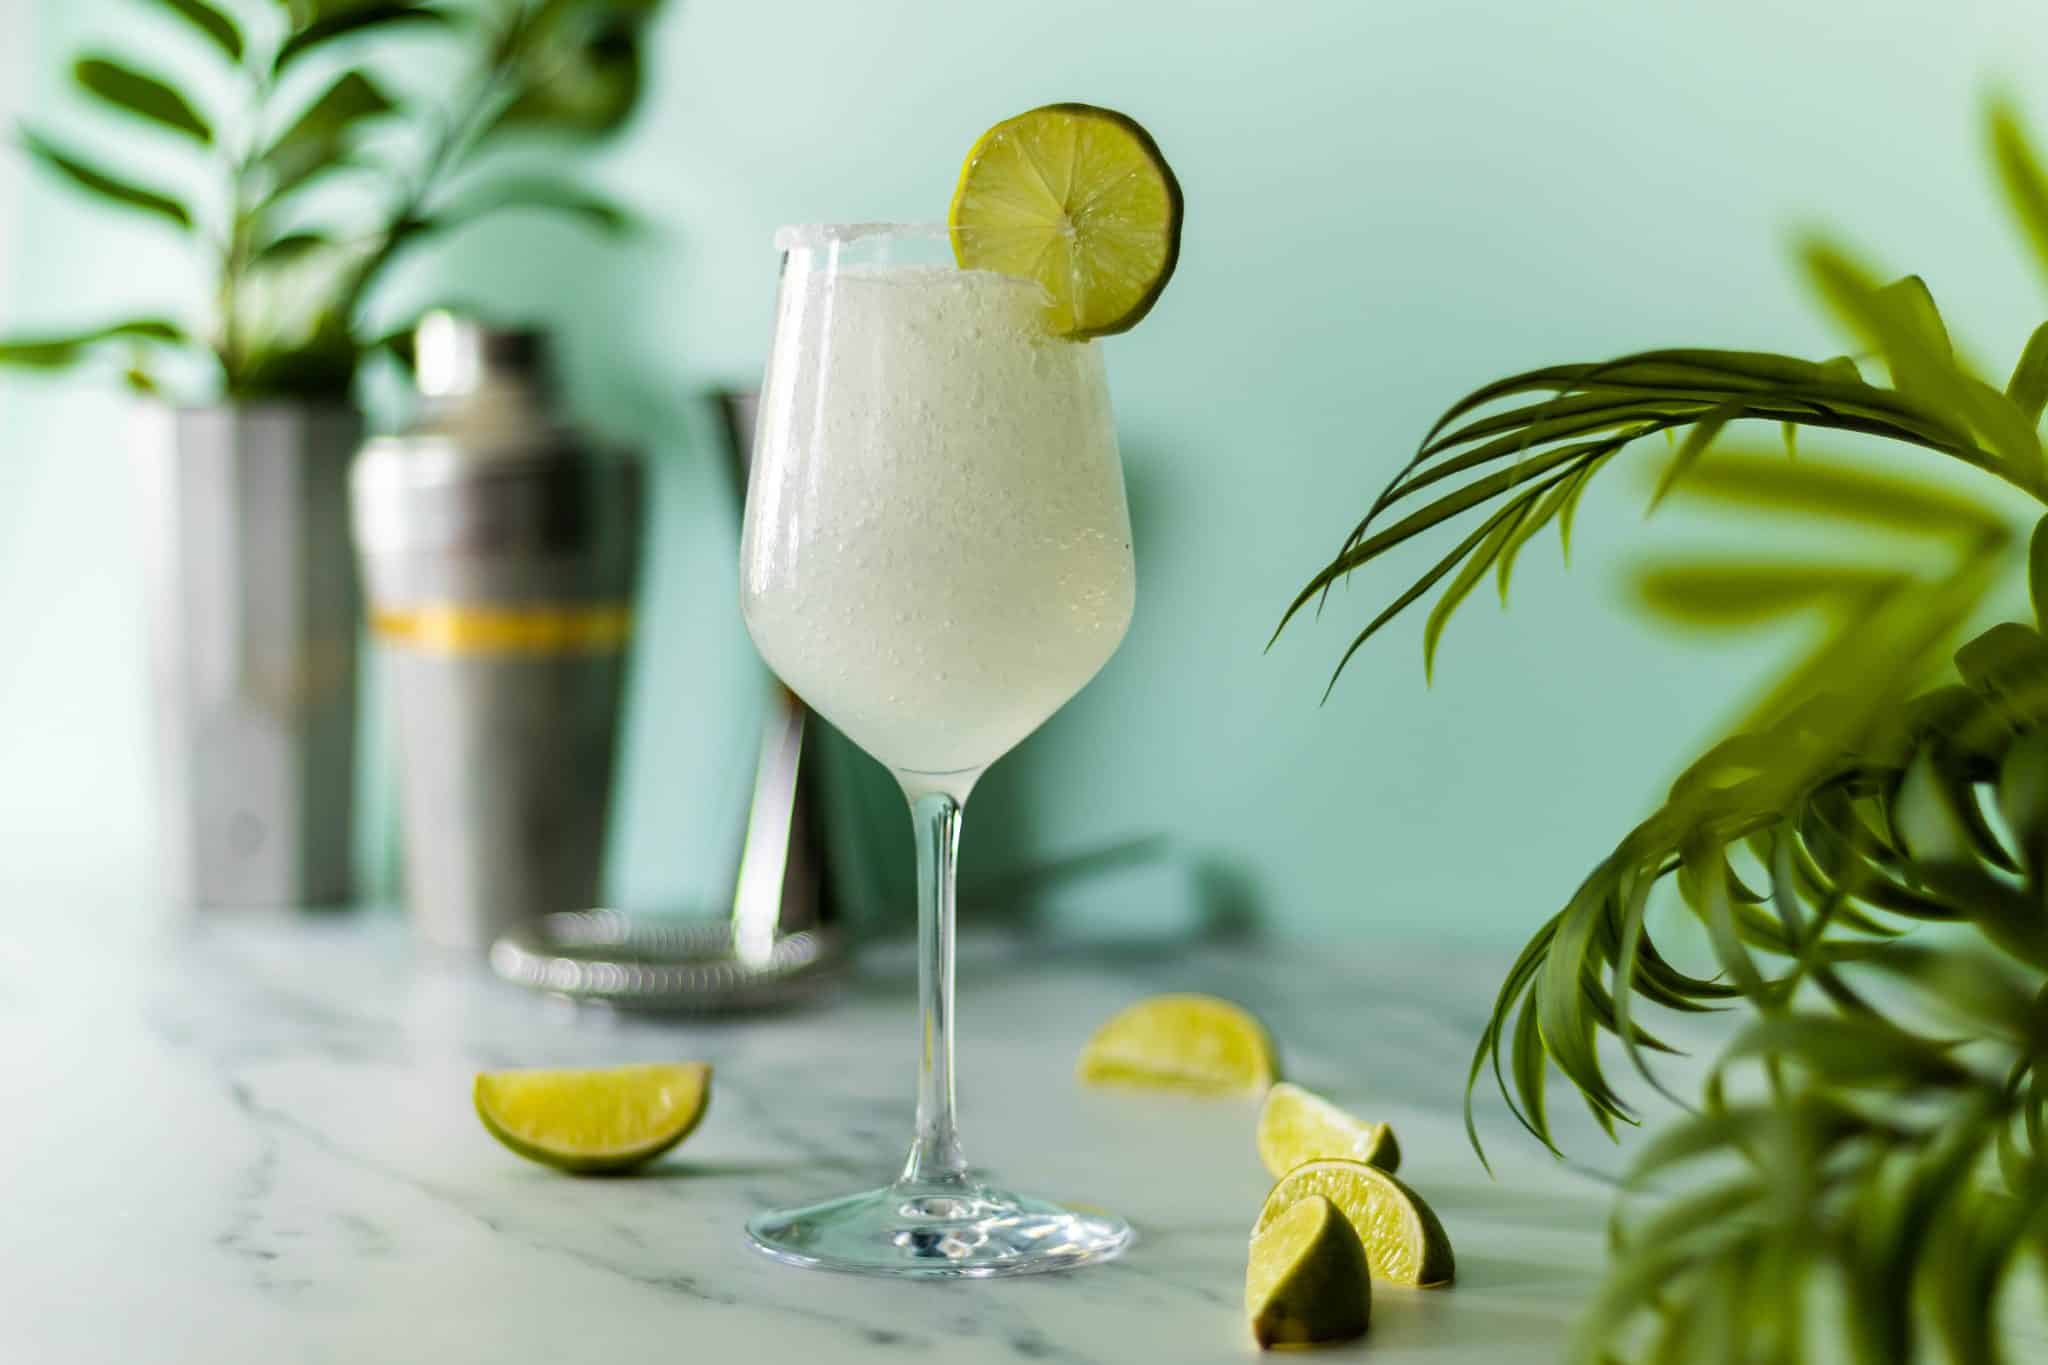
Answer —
1404 1242
1299 1125
1080 200
594 1121
1197 1044
1307 1281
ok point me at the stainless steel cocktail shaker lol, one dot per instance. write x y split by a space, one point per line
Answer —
498 553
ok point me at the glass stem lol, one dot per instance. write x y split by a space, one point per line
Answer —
935 1155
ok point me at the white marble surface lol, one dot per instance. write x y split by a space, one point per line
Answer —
252 1141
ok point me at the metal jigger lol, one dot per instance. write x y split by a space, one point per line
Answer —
777 946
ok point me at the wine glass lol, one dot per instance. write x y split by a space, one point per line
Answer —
936 557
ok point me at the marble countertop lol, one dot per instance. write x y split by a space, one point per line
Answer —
251 1140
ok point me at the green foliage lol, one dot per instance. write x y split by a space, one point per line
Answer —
529 192
291 285
344 23
219 29
144 96
2021 176
1865 857
318 139
59 351
583 67
93 180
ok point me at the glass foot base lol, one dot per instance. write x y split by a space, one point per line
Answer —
957 1229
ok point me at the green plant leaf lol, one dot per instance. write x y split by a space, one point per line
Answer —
1703 873
1954 768
1530 1065
1857 1118
1901 320
2010 918
2022 798
1722 1131
56 352
90 178
145 96
289 247
1853 1053
1811 394
314 170
526 192
1655 391
318 138
2020 173
1546 510
1667 1253
1748 478
1987 992
1875 655
1566 416
1419 587
2028 387
343 23
2007 665
2037 572
1824 398
218 27
1980 1241
578 65
1932 818
1911 305
1720 592
1569 1032
1513 449
1569 507
1443 509
1468 576
1638 969
1703 434
1518 983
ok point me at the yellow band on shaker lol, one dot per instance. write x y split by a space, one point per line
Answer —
445 628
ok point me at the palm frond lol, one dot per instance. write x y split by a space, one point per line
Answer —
1865 858
1596 411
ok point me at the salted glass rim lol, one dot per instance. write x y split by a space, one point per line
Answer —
799 236
795 237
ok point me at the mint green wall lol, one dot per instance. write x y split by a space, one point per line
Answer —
1387 203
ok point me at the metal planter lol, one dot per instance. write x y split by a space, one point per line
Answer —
253 624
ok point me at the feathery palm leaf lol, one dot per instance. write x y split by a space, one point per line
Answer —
1866 857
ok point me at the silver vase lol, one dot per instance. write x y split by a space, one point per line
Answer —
253 622
499 549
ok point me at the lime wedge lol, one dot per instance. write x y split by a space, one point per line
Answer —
1193 1043
1299 1125
1403 1240
1306 1282
1080 200
592 1121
